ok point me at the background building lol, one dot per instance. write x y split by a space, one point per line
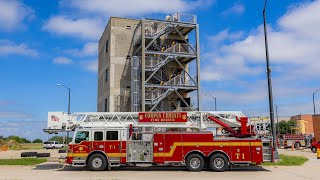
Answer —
149 65
310 122
304 122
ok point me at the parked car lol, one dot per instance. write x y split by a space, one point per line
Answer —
52 145
315 146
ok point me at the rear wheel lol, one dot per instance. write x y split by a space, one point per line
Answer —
219 163
297 145
97 162
314 149
195 162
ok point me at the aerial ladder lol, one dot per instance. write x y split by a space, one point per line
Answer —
233 123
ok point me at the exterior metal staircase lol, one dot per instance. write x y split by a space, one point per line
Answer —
154 63
157 95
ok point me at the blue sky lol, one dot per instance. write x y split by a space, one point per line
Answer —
43 43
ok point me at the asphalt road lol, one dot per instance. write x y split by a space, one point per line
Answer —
310 170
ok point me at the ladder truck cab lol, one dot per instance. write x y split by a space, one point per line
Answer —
105 140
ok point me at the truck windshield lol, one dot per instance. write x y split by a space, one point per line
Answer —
82 136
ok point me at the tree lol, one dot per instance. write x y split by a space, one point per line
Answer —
18 139
15 138
59 139
37 141
24 140
286 127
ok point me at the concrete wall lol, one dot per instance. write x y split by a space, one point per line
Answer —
116 89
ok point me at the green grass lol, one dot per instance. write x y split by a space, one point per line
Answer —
27 146
287 160
23 161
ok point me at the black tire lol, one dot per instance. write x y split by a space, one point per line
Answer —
97 162
62 151
195 162
219 163
313 149
43 155
297 145
28 154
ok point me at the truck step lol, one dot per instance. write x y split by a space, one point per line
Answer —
79 163
144 164
114 163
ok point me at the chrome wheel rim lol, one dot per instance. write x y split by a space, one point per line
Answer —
195 163
218 163
96 162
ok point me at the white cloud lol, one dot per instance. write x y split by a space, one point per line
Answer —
10 48
5 103
13 115
99 10
228 67
89 49
13 13
62 60
86 28
288 45
225 35
236 9
303 19
28 128
91 65
294 50
135 7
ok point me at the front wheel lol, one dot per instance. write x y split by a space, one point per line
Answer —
314 149
97 162
219 163
195 162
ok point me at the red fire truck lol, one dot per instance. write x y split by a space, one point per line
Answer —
289 140
105 140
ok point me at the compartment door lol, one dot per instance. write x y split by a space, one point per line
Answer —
240 151
173 147
158 148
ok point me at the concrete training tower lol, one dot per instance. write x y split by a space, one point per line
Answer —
150 65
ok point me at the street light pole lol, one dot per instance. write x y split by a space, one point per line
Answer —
314 105
215 104
69 94
215 101
276 156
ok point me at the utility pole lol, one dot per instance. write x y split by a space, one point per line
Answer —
277 119
273 128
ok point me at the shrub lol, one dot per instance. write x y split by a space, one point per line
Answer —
37 141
